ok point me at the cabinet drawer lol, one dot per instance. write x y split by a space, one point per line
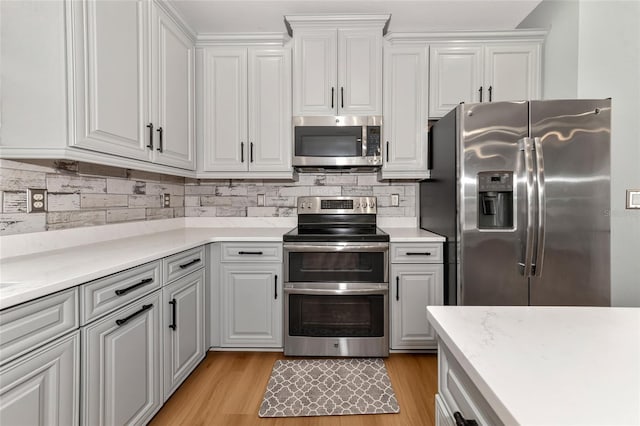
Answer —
251 252
460 393
416 253
103 295
25 327
183 263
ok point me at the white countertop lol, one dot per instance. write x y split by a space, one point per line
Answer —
24 278
549 365
412 235
52 266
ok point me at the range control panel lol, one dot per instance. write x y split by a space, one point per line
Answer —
337 205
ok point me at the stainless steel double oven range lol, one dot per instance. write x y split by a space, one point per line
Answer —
336 279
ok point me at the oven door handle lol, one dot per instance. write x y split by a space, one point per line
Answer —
333 248
336 292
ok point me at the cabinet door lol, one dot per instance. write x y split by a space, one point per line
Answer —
455 76
413 287
269 110
315 90
512 72
121 365
405 112
225 146
172 93
359 90
41 387
110 70
251 305
183 324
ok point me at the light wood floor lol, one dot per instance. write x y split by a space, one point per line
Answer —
227 389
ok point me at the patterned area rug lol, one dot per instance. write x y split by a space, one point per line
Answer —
328 387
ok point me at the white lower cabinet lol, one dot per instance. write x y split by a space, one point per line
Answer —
416 281
414 287
458 400
183 324
121 377
251 305
41 388
444 417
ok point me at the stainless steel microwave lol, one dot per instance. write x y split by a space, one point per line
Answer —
337 141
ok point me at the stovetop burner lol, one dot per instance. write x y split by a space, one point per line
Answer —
342 219
340 235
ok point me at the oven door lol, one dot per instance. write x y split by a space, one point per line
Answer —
333 262
336 299
332 319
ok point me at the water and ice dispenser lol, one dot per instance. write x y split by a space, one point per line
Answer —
495 200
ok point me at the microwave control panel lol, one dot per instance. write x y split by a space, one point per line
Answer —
373 141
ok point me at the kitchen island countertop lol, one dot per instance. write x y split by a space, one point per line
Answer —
548 365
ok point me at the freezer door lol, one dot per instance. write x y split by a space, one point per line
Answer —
492 245
572 254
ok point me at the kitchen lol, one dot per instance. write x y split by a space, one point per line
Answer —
602 62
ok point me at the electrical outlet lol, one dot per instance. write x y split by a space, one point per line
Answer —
260 200
36 200
166 200
395 200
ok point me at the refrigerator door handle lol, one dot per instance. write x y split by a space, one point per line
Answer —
536 265
526 146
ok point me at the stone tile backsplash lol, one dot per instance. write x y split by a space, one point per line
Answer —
240 198
82 194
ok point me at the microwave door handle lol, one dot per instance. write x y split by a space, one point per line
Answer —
363 146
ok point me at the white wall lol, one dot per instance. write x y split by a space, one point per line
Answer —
560 68
606 37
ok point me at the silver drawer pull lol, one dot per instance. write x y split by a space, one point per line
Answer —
122 291
186 265
123 321
413 253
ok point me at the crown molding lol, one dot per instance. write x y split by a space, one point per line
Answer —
467 36
245 39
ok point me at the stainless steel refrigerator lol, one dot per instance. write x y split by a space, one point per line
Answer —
521 192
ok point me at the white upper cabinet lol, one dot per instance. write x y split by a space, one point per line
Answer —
134 83
456 76
315 72
512 72
337 65
499 70
111 69
405 112
269 110
246 112
172 93
359 72
109 76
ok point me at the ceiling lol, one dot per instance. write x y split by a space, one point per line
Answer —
241 16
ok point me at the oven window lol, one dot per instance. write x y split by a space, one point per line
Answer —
327 141
337 266
336 316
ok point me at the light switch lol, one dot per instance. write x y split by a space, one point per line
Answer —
633 198
395 200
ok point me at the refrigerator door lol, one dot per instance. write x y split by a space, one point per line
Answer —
572 254
493 203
